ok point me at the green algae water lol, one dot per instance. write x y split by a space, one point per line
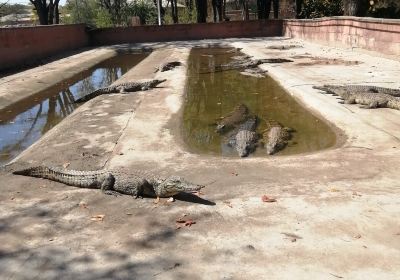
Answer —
212 95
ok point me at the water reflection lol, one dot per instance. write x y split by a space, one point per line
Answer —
24 123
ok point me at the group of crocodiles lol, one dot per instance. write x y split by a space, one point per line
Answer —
239 128
367 96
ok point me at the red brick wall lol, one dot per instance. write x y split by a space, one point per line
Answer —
178 32
381 35
25 45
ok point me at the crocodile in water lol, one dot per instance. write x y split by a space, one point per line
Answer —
237 116
244 138
121 88
115 181
168 66
239 64
276 137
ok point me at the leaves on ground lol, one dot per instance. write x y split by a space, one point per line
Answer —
184 222
83 204
268 199
228 203
98 218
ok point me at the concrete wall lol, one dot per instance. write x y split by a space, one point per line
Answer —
25 45
380 35
179 32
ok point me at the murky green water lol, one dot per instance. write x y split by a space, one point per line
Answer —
25 122
210 96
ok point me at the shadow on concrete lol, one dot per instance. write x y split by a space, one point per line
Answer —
188 197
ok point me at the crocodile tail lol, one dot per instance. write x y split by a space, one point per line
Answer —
84 179
91 95
37 171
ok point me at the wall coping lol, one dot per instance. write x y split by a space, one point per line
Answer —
41 26
344 18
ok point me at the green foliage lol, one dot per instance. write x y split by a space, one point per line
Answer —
103 19
145 10
384 9
321 8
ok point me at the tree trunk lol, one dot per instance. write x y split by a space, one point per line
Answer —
357 8
174 10
201 6
47 13
246 15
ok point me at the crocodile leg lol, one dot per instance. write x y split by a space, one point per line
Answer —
107 185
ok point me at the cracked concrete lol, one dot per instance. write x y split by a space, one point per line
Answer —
336 213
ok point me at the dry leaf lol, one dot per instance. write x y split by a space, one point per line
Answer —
129 214
265 198
228 203
98 218
65 165
334 190
83 204
357 236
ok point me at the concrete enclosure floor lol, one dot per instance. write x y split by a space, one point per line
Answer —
336 214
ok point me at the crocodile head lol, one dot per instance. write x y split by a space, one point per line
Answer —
244 148
156 82
271 148
174 185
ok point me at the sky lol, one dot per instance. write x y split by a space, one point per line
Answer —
62 2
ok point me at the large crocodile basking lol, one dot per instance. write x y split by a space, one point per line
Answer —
276 137
237 116
136 184
335 89
244 138
121 88
368 99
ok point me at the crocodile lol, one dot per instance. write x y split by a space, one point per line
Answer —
137 184
121 88
335 89
244 138
238 115
276 137
168 66
368 100
239 64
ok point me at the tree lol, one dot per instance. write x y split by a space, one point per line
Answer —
201 6
217 10
384 9
47 11
357 8
321 8
115 8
